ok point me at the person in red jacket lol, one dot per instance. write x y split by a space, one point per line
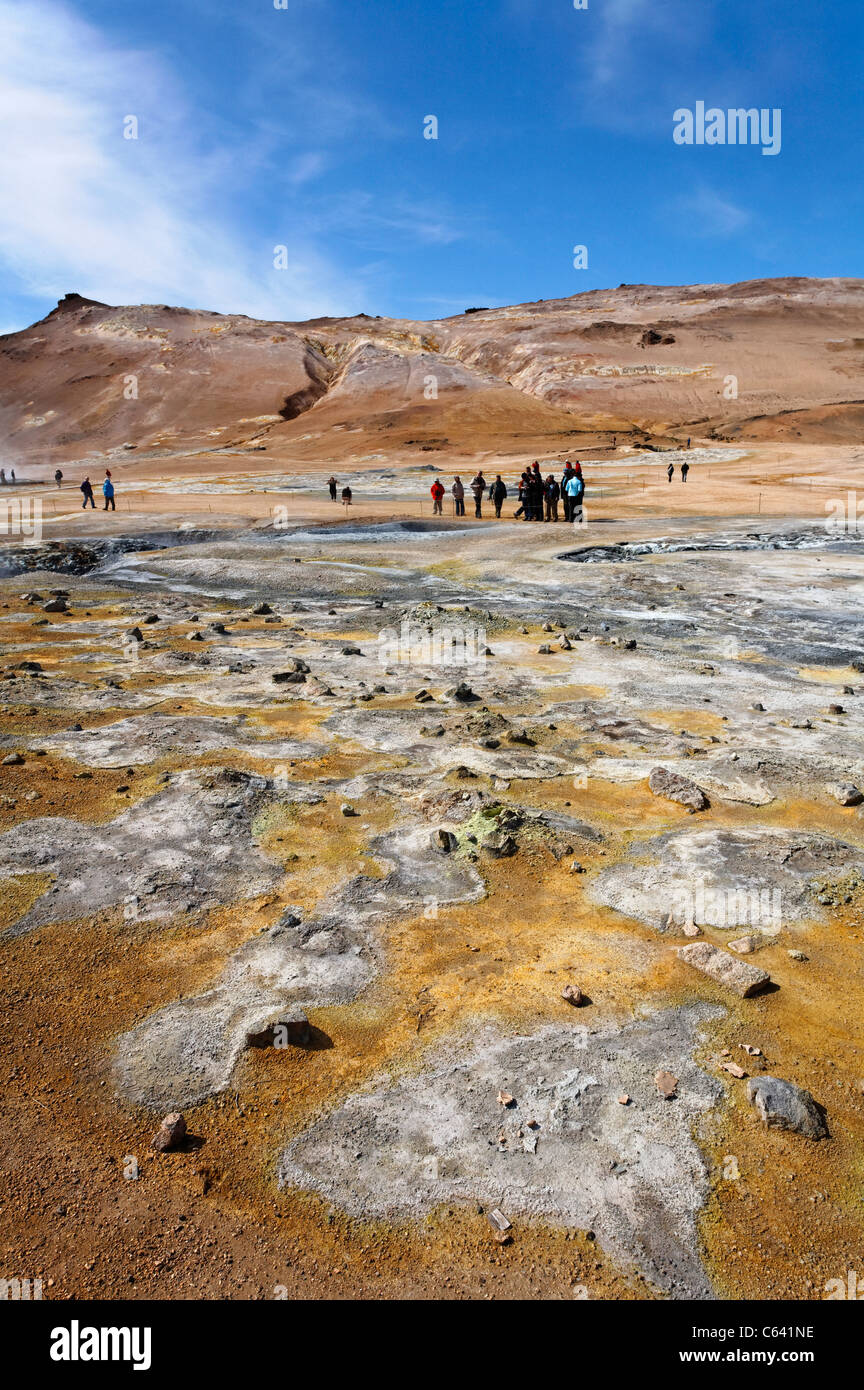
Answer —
437 490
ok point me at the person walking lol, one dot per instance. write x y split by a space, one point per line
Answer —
552 493
685 469
332 483
522 509
478 487
437 490
497 493
87 489
458 490
108 493
670 472
58 477
346 496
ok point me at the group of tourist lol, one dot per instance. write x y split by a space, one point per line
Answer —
538 496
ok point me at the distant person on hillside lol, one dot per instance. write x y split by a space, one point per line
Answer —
437 490
2 476
346 496
12 474
87 489
332 484
551 493
478 487
458 490
670 472
108 493
688 443
685 469
497 493
58 477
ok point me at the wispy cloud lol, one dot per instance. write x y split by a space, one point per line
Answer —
126 220
706 213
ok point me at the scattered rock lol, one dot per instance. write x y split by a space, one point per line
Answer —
667 1084
573 995
733 1070
735 974
56 605
846 793
462 692
13 760
347 810
745 945
782 1105
170 1134
290 1029
797 955
674 787
444 841
498 847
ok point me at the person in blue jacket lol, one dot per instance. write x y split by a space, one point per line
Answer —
575 490
108 493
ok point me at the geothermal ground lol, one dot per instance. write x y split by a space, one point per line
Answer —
537 975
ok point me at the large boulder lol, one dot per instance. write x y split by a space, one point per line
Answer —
782 1105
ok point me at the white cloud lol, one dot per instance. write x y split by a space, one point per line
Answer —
82 208
707 213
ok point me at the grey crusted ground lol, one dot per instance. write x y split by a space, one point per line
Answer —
631 1173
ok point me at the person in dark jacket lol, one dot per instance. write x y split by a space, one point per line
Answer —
87 489
478 487
332 484
498 493
536 489
458 490
552 492
670 472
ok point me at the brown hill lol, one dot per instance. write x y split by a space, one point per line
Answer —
641 361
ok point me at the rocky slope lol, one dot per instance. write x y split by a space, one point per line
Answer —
775 359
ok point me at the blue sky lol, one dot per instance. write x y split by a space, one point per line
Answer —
302 127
